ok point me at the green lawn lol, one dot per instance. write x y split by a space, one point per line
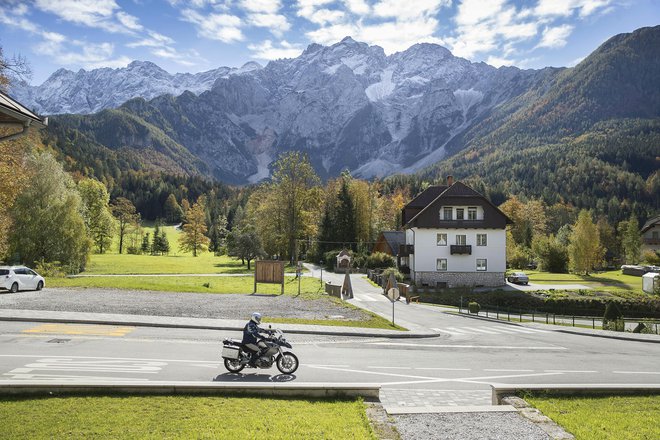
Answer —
310 287
182 417
611 281
604 418
206 262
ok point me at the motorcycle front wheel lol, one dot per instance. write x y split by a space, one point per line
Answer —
287 363
233 365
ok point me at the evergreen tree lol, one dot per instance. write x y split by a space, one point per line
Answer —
163 243
345 215
146 244
218 234
172 210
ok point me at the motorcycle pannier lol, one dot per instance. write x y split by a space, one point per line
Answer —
230 352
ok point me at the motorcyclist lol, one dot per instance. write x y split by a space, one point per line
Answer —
252 337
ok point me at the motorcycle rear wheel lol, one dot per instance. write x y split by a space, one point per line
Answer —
233 365
287 363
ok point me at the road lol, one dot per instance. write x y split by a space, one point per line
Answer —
454 368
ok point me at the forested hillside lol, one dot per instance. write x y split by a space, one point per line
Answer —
589 135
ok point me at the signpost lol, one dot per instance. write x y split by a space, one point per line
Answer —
392 292
266 271
299 274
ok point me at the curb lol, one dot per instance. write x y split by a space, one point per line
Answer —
498 391
402 335
558 330
308 390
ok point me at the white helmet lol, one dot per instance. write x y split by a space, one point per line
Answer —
256 317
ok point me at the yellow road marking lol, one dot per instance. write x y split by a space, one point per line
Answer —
81 329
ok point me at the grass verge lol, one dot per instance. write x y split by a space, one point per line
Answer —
175 417
603 417
311 288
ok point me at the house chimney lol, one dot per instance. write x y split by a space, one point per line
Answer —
450 180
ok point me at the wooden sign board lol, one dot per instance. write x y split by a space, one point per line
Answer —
269 272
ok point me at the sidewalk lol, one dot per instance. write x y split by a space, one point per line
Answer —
198 323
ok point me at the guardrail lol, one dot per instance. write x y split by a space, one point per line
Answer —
593 322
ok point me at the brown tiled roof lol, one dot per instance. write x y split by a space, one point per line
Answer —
650 223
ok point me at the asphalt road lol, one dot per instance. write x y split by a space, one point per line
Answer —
455 368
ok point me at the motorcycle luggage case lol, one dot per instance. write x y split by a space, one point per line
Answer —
230 352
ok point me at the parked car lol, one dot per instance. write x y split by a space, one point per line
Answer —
15 278
518 278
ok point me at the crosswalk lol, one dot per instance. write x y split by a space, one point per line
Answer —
488 330
367 298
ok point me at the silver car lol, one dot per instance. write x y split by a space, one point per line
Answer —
518 278
15 278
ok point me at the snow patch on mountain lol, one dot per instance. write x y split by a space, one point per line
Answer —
382 89
466 99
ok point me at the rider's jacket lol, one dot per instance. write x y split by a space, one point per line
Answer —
251 333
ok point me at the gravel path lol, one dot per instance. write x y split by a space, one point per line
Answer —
468 426
189 305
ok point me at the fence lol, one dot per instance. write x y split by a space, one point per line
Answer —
518 315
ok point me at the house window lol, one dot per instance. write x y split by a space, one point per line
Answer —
482 264
446 213
655 235
442 239
482 240
404 261
441 264
461 240
460 214
472 213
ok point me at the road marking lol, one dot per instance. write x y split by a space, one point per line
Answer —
475 380
442 330
495 370
571 371
348 370
63 364
329 366
482 330
636 372
68 378
41 356
443 369
501 347
389 368
81 329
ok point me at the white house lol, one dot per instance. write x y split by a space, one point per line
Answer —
454 237
651 234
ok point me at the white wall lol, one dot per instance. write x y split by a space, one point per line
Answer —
427 251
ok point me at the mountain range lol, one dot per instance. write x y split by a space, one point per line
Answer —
350 106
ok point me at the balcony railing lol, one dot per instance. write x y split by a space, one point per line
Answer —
460 249
406 250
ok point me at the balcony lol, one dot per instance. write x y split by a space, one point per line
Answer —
460 249
406 250
467 224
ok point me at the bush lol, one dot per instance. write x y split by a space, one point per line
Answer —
133 250
651 257
49 270
474 307
380 260
392 270
613 318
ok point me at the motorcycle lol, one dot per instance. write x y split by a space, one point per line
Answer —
236 356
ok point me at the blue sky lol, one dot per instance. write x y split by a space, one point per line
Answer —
198 35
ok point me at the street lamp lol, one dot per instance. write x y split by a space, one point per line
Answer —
322 263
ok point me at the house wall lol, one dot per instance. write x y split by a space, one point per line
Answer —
651 241
461 269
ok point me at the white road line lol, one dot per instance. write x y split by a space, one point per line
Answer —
636 372
443 369
502 347
103 357
495 370
571 371
525 330
329 366
442 330
459 330
375 372
482 330
389 368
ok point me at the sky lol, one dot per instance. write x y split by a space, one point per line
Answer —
199 35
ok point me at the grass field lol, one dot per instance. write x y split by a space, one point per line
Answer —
311 288
611 281
604 418
182 417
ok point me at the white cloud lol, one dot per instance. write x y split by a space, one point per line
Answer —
276 23
268 51
565 8
499 61
102 14
554 37
222 27
263 6
359 7
408 9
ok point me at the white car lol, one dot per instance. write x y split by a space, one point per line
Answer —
15 278
518 278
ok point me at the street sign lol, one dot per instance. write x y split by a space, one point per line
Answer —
393 294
